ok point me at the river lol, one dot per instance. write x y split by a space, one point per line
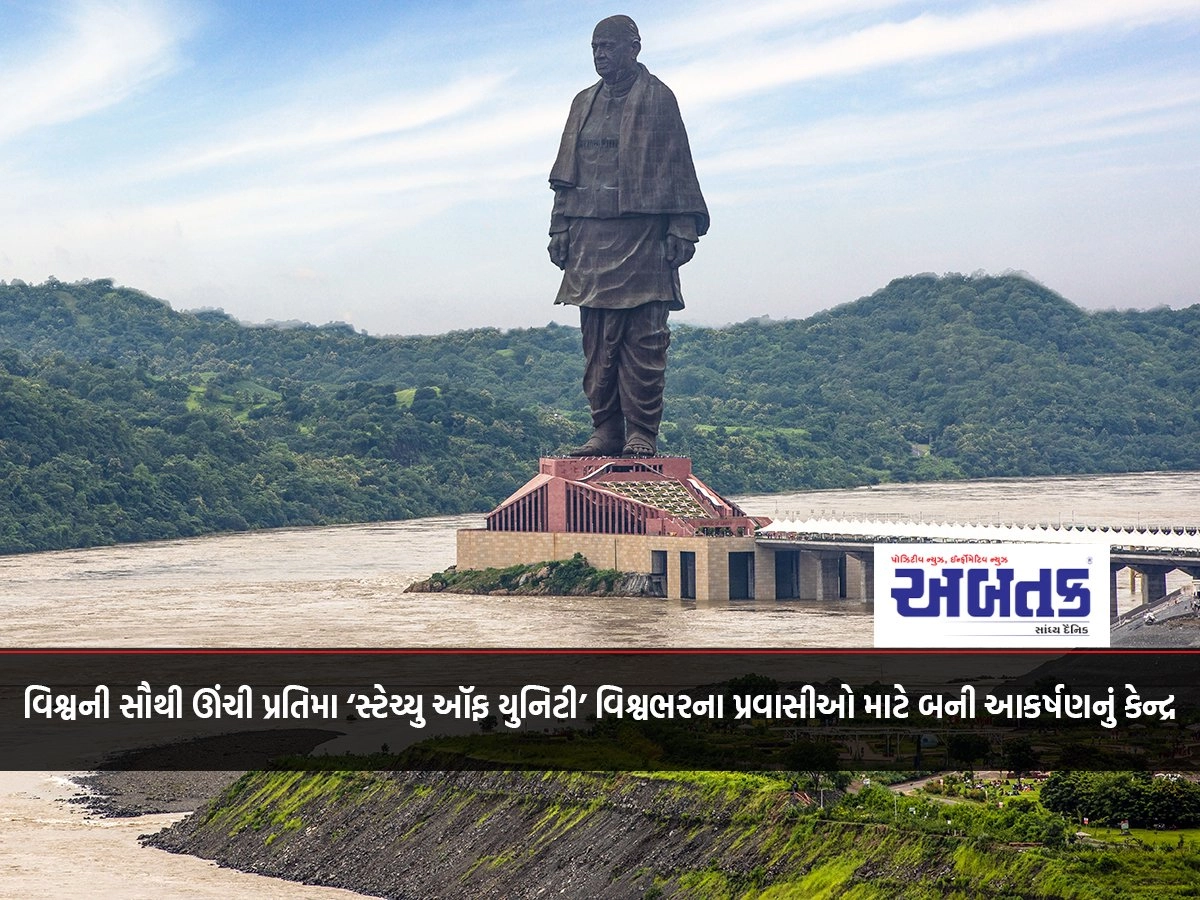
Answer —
343 586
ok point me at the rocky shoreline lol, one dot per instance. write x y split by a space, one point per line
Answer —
527 835
1179 632
480 834
562 577
161 780
120 795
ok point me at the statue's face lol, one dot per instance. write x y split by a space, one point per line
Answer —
614 57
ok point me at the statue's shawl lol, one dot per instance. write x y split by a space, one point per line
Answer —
655 170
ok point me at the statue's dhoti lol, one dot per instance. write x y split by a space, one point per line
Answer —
619 277
626 363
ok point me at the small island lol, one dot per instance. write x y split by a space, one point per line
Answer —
574 577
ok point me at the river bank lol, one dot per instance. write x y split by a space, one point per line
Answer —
525 835
53 847
513 835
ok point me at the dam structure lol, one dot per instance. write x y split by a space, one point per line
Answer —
827 543
656 517
651 515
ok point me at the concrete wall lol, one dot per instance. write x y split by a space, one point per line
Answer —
764 573
860 576
481 549
819 569
819 575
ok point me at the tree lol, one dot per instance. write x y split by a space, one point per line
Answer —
966 749
815 762
1020 756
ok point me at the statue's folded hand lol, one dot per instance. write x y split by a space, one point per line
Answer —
679 251
559 248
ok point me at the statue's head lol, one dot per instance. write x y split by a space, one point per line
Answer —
615 47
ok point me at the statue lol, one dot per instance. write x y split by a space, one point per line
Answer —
627 214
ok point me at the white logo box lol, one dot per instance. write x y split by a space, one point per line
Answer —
1005 596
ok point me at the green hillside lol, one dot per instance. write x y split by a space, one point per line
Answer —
122 419
710 835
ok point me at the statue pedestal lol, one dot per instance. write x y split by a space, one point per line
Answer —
651 516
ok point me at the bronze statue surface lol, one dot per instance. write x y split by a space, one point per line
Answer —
627 214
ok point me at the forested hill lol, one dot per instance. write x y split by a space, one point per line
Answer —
122 419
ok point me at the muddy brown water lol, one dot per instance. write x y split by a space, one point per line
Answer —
344 586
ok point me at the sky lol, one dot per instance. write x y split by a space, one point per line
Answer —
385 164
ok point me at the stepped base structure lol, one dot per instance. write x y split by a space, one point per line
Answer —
651 516
654 517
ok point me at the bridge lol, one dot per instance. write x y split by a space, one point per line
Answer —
655 517
827 558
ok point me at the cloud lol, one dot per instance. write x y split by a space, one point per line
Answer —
1100 112
341 176
726 22
95 56
923 37
298 128
401 155
475 137
343 205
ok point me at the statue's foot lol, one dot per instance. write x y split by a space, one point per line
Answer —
639 445
598 445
